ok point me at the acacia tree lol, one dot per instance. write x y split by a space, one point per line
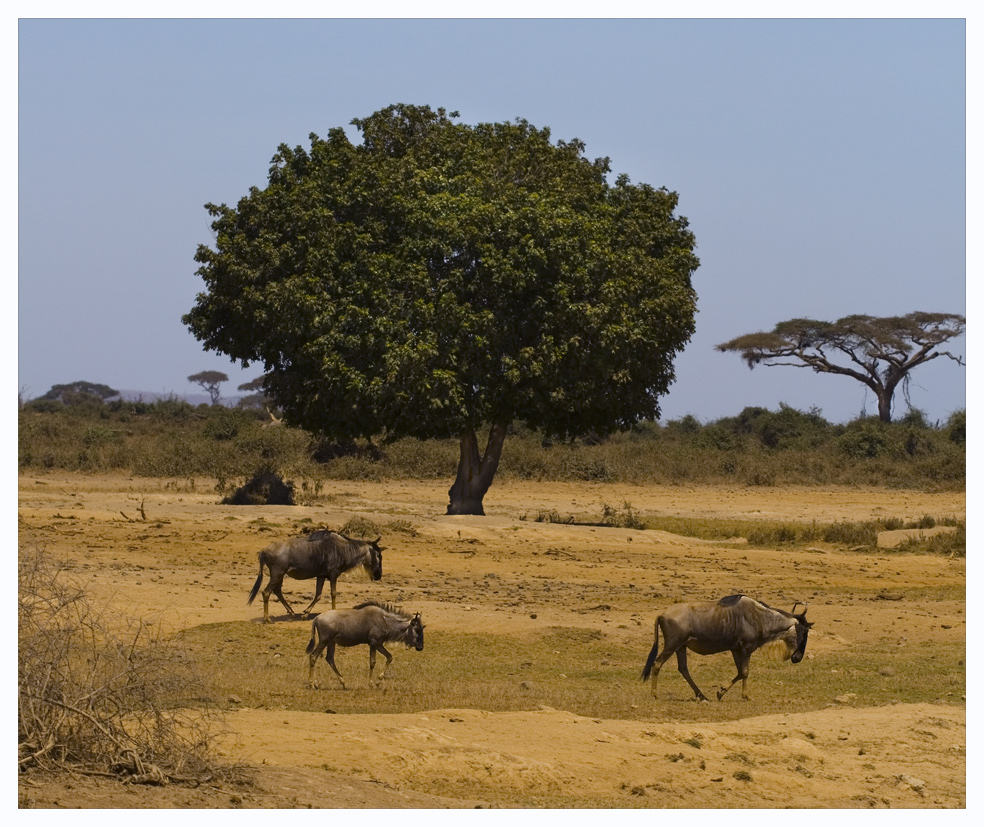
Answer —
75 393
209 381
879 352
438 278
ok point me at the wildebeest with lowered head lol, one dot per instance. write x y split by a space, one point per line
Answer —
737 624
370 623
323 555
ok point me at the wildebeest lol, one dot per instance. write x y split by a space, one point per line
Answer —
736 623
369 623
323 555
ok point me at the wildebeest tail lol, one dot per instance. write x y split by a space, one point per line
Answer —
648 668
259 579
314 634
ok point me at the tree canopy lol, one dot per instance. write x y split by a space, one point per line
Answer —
75 393
879 352
439 277
256 398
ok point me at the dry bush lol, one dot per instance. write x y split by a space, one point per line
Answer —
360 527
624 517
265 487
101 694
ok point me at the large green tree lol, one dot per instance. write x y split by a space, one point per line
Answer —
439 278
878 351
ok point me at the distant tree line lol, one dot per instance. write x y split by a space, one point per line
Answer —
172 438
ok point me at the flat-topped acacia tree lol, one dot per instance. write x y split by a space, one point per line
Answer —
209 381
439 278
878 351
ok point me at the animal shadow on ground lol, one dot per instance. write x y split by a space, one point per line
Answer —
296 618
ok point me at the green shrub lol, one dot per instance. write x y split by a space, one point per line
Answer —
956 427
863 440
688 424
360 527
44 406
782 429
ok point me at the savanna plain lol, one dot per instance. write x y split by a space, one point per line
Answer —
538 619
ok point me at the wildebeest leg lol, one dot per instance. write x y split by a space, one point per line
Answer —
741 663
682 666
330 657
658 664
317 594
372 659
332 584
266 605
315 653
655 660
275 587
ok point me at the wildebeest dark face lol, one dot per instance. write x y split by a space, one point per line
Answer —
802 632
415 636
374 562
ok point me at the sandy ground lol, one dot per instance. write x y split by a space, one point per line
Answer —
166 549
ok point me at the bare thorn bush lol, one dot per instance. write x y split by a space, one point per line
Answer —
101 694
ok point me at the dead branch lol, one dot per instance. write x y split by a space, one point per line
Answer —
100 694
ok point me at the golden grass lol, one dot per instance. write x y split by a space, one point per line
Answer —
576 669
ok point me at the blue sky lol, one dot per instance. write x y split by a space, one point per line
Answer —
821 164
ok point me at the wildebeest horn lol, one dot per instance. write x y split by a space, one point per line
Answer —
804 605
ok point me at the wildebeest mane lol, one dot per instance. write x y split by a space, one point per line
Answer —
320 534
797 617
333 548
777 649
732 600
386 607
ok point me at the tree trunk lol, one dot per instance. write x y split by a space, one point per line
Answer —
885 406
475 473
886 392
